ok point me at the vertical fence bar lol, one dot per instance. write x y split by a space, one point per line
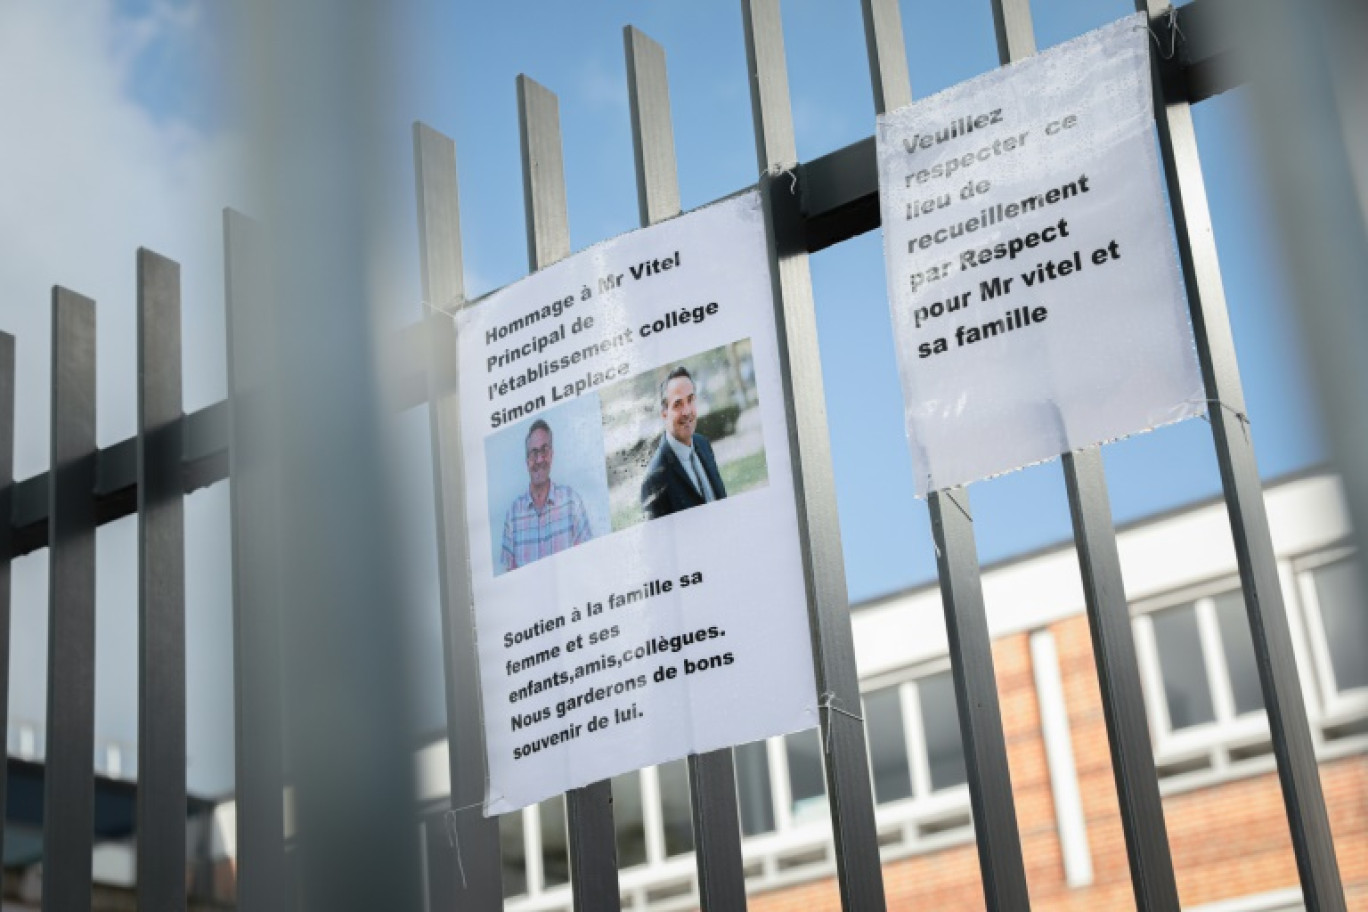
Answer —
1118 675
348 737
648 95
1286 705
257 652
6 554
1118 672
847 761
161 590
69 780
589 810
712 776
479 882
971 645
1014 29
980 717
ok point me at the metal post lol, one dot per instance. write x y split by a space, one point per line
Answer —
1118 674
712 776
1015 32
257 696
971 646
348 737
847 761
589 810
6 549
479 885
69 779
161 590
648 93
980 717
1283 698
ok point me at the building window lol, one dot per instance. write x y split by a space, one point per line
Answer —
513 850
629 820
916 766
887 745
914 739
676 812
1201 680
653 826
1344 619
555 848
940 722
1336 615
1202 683
807 785
753 788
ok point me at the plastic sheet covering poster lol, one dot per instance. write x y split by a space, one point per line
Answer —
1036 296
634 556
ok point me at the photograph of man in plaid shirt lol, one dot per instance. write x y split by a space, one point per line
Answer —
548 517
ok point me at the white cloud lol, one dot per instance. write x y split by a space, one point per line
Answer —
88 174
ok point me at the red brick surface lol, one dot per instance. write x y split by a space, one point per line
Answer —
1228 840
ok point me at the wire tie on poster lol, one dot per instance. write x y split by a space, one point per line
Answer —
828 702
454 837
1239 415
1175 32
951 497
935 544
448 309
778 170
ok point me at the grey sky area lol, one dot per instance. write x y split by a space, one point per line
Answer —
115 156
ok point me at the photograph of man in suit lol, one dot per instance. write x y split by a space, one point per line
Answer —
683 472
547 517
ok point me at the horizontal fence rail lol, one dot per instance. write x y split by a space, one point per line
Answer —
836 199
840 200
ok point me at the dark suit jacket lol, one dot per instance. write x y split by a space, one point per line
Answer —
668 487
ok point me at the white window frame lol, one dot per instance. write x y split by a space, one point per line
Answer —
657 873
1338 706
1228 729
1218 745
924 806
799 849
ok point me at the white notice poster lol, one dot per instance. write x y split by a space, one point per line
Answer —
1037 300
633 548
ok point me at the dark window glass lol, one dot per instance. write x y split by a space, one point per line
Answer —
1233 620
1345 613
628 822
887 745
806 785
1186 690
674 807
940 723
514 854
753 789
555 855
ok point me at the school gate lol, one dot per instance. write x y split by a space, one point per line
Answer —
808 206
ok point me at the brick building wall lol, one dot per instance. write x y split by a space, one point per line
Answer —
1228 840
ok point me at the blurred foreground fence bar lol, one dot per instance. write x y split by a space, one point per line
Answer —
809 206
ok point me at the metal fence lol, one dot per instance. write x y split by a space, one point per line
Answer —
809 206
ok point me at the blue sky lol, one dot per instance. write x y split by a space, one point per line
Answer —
462 73
119 127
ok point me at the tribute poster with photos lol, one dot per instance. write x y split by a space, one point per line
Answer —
634 555
1036 295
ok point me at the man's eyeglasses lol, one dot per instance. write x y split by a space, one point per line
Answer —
541 452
